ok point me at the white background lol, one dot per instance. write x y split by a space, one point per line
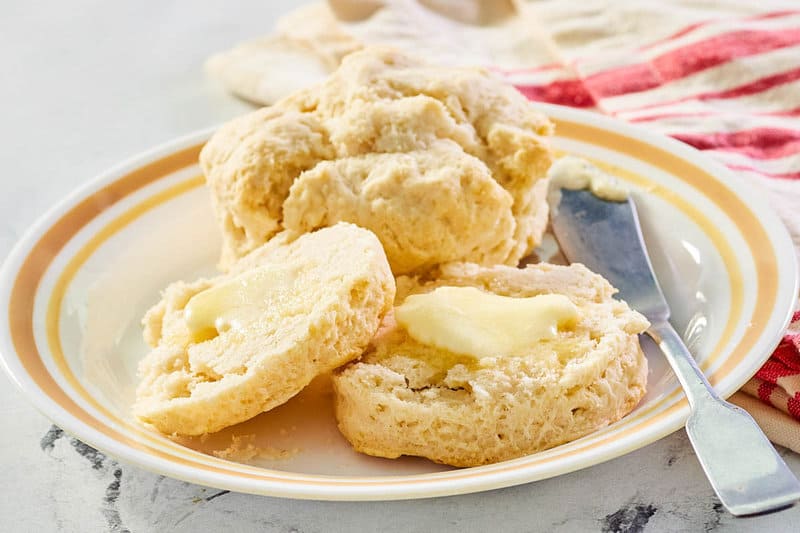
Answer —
85 84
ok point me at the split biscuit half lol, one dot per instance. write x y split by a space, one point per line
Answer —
404 397
321 298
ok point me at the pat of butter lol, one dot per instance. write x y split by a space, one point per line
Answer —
234 304
473 322
575 173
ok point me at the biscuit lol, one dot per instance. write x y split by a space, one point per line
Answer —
417 202
308 44
250 164
384 108
334 287
406 398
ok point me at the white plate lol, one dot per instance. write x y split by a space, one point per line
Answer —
75 287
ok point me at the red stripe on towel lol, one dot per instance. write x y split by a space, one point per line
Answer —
758 143
689 59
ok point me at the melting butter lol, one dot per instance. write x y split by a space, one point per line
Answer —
472 322
234 304
570 172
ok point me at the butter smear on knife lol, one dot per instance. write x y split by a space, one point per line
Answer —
575 173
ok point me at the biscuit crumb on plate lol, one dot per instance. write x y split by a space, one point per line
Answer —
243 448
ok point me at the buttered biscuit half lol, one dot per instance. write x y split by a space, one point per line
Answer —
228 348
484 364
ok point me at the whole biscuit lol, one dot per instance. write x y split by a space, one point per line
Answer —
386 108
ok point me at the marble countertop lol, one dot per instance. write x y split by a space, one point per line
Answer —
88 83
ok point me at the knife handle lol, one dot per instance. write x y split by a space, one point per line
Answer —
745 471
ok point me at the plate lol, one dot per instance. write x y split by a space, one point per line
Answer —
74 289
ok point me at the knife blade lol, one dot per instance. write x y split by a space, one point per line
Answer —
745 471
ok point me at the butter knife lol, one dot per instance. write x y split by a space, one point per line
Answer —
745 471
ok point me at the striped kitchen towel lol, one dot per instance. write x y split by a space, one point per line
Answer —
721 76
725 80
